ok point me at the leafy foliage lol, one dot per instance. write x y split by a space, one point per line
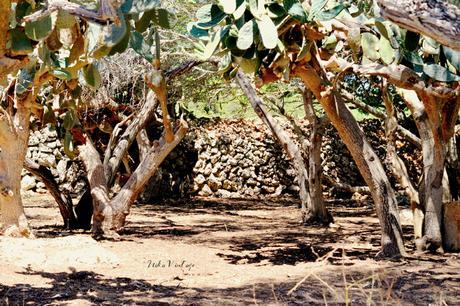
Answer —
261 35
67 49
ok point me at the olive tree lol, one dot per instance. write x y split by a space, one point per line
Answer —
48 50
320 42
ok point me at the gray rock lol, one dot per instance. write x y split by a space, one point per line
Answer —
28 182
205 191
214 183
200 179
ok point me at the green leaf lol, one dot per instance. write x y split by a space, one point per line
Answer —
440 73
228 6
138 44
70 119
241 8
48 115
209 16
20 43
330 42
387 53
195 31
275 10
24 80
92 76
413 57
124 42
139 6
430 46
249 65
62 74
268 32
225 63
40 29
162 18
370 45
316 8
65 20
453 56
382 29
113 33
212 44
330 14
69 149
257 8
246 35
295 10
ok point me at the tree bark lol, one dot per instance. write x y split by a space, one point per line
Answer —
102 210
113 157
122 202
14 136
398 167
439 20
433 152
62 198
309 212
367 161
318 208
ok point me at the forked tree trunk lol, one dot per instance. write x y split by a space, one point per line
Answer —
433 153
122 202
310 213
367 161
14 136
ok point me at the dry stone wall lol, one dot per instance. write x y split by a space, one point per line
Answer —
221 159
46 149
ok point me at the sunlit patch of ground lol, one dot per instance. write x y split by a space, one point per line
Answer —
219 252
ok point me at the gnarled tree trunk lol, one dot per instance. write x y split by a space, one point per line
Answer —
310 212
367 161
14 136
398 167
317 207
434 132
102 210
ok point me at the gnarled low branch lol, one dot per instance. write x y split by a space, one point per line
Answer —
436 19
404 77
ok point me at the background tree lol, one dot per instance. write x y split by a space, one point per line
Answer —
277 40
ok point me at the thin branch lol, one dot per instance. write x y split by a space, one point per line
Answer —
373 111
105 14
404 77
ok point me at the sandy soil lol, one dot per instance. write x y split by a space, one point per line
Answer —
220 252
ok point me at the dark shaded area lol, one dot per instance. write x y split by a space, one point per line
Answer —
261 232
269 238
415 288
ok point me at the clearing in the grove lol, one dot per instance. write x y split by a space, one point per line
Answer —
220 252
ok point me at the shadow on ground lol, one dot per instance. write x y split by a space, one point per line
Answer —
262 232
382 288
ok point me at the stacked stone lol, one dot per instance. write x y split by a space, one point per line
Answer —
236 160
45 149
223 158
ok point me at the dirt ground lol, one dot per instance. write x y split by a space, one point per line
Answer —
220 252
